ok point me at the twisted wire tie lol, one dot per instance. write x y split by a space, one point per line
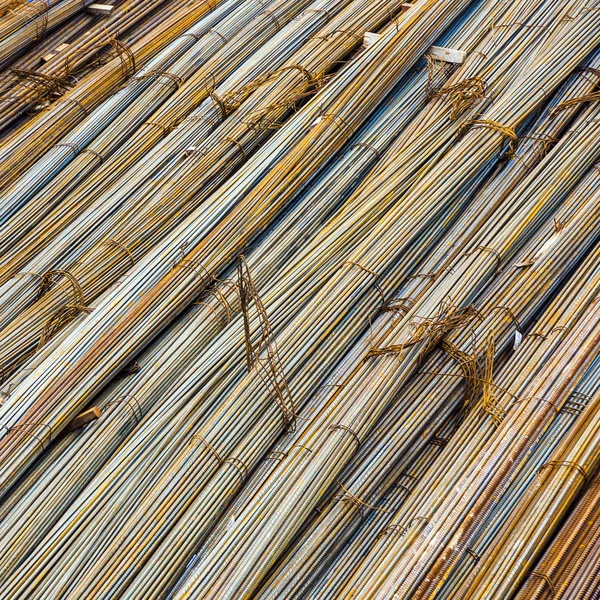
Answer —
239 466
220 35
430 330
399 305
545 579
221 299
569 409
545 336
510 313
306 448
487 249
132 368
218 101
369 147
232 286
393 16
374 274
497 413
556 410
587 69
544 141
504 131
337 385
196 36
541 137
212 309
23 427
196 267
273 18
164 128
351 498
432 63
125 54
30 274
581 396
392 528
77 103
340 122
591 97
40 83
238 144
296 67
370 271
157 73
72 147
122 247
569 464
93 153
132 402
462 95
404 487
198 438
277 391
476 557
431 275
277 455
77 289
439 441
39 20
348 430
270 370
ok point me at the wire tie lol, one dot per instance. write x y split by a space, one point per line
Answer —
239 466
93 153
24 428
347 429
506 133
122 247
132 402
545 578
198 438
72 147
566 463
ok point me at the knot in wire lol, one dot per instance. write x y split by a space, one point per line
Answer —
462 95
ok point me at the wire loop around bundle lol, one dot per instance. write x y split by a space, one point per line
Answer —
568 464
507 133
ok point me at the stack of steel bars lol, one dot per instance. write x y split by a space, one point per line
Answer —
299 299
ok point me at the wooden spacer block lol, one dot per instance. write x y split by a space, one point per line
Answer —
102 10
448 55
370 39
87 416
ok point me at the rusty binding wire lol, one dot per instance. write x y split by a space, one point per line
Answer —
269 367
